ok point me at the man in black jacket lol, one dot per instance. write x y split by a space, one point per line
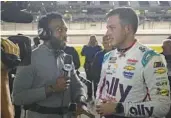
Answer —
97 62
89 52
72 51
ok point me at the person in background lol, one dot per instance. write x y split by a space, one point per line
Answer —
36 42
72 51
98 59
89 52
167 54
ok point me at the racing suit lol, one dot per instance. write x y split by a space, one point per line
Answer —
138 79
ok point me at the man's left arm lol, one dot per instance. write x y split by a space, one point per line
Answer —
157 101
158 91
79 95
76 59
78 92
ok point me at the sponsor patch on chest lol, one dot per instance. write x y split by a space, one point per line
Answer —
128 75
112 59
132 61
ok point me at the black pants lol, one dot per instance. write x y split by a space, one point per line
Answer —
95 87
89 86
87 67
17 111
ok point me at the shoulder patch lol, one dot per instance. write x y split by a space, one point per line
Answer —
147 57
106 56
142 48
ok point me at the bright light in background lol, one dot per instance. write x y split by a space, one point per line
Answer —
84 11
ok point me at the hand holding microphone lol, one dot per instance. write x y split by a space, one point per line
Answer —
63 81
62 84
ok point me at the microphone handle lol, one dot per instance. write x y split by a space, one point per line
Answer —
67 74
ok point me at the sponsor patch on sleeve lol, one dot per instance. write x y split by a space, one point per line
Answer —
147 57
158 64
160 71
162 83
139 110
163 92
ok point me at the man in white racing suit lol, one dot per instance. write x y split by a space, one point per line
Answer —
134 81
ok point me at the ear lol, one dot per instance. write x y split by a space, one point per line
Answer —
128 29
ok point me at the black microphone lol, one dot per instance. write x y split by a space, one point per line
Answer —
67 73
16 16
67 66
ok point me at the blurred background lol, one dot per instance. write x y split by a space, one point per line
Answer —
85 18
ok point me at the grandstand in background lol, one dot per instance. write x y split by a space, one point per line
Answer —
94 11
83 16
91 14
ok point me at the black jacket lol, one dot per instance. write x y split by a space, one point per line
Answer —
72 51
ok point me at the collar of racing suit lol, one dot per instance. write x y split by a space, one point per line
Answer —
126 49
122 51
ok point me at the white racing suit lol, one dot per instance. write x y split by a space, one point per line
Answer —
138 79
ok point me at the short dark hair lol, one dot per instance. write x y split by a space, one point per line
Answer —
44 21
93 36
126 15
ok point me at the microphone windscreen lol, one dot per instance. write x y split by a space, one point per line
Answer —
67 62
16 16
68 59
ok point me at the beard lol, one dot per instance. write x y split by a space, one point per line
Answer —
57 43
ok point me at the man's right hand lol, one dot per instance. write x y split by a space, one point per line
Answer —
62 84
